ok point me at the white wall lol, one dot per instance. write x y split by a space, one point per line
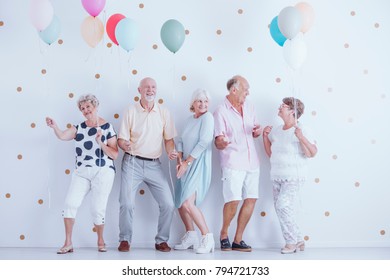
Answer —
346 91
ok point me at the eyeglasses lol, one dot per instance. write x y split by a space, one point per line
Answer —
284 106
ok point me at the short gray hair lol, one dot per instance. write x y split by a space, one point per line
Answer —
88 98
233 82
196 95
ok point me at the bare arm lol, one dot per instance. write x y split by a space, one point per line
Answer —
308 148
65 135
111 148
170 148
266 141
221 142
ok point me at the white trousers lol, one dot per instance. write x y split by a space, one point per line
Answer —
98 181
285 200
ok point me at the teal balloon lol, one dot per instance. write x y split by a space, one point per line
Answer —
275 32
127 33
52 32
172 35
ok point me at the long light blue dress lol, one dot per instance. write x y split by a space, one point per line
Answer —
196 140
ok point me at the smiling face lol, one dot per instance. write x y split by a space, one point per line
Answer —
88 110
147 89
200 106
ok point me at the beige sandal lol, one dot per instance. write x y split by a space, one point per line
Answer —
65 250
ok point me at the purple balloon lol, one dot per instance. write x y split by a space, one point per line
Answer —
93 7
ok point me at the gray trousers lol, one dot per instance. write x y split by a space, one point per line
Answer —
135 172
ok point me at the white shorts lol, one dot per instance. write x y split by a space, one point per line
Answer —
239 184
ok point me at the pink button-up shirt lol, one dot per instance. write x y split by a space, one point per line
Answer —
241 153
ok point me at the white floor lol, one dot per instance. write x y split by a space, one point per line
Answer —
151 254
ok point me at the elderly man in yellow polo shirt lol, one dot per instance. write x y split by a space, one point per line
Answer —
144 128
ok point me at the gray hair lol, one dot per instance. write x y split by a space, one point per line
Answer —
196 95
233 82
88 98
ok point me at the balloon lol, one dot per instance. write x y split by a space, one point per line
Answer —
126 32
173 35
290 22
111 25
92 30
275 32
51 33
93 7
295 52
308 15
41 13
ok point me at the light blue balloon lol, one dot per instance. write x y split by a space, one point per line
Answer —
126 33
173 35
275 32
51 33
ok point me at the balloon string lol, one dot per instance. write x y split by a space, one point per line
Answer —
128 71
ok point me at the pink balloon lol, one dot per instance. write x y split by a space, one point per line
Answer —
308 15
93 7
41 13
111 25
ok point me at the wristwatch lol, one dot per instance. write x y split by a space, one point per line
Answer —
188 162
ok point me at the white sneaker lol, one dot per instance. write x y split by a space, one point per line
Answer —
206 244
188 241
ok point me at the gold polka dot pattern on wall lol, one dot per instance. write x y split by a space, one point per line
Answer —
357 184
71 95
40 201
67 171
376 25
240 11
306 238
334 157
94 229
346 45
19 89
116 116
33 125
183 78
1 23
327 214
317 180
278 80
353 13
60 42
219 31
68 125
109 45
97 76
22 237
43 71
382 232
209 58
134 72
7 195
141 6
20 156
136 99
249 49
161 101
187 32
155 47
263 214
141 192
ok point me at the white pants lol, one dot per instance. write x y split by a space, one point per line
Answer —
285 200
96 180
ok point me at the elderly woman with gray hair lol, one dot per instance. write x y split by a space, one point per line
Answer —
194 173
96 150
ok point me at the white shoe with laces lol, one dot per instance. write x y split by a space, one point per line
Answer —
188 241
206 244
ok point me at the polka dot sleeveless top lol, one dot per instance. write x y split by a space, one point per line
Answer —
88 152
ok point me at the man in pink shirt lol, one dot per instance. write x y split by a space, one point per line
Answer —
236 126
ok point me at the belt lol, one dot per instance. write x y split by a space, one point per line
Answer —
144 158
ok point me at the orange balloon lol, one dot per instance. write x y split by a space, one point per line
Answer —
308 15
92 30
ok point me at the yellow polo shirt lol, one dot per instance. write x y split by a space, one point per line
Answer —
147 130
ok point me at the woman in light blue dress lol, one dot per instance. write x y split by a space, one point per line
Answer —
194 173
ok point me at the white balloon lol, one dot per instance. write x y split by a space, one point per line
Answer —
295 52
41 13
290 22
